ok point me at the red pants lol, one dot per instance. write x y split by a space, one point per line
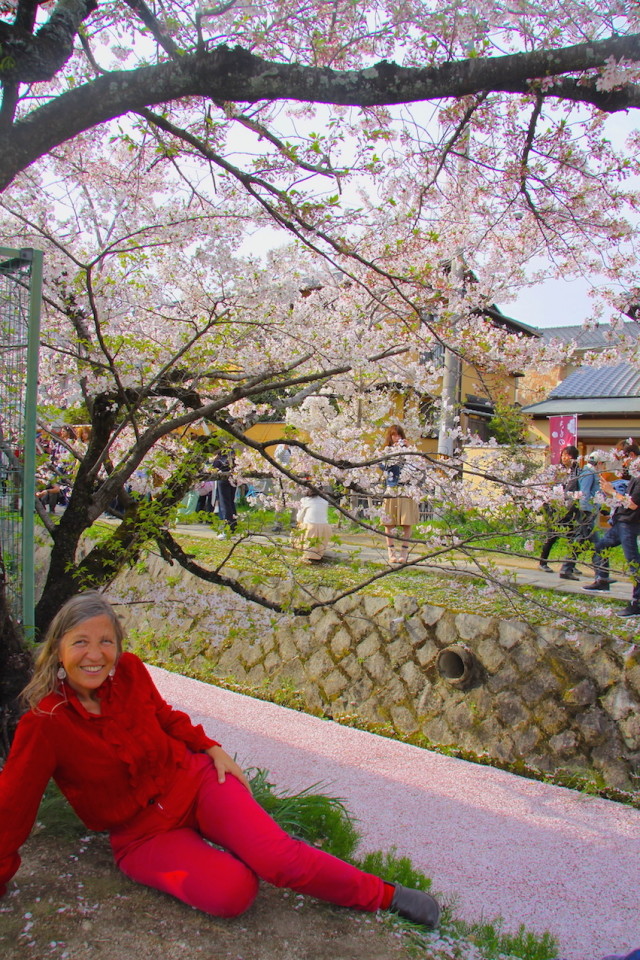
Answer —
166 847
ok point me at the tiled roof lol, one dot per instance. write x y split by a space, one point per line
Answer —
621 380
598 337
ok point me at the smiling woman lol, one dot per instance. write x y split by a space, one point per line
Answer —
131 765
88 655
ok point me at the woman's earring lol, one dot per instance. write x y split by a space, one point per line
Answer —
61 674
112 672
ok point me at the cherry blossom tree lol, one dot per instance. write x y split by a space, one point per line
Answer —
417 156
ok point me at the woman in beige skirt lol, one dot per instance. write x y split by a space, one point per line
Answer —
399 512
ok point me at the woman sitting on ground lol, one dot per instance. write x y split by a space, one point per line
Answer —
132 765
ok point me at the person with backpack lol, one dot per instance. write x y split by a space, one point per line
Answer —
588 482
623 531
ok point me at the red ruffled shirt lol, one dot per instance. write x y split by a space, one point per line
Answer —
109 766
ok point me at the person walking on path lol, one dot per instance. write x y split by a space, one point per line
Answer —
132 765
313 520
588 488
225 492
566 524
623 531
399 512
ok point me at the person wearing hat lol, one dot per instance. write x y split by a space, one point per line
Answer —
624 532
588 488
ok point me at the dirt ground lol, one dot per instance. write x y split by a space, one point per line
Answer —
69 902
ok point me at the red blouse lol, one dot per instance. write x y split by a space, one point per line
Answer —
109 766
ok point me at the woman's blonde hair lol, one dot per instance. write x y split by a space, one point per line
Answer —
84 606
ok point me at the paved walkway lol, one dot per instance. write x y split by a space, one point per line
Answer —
533 853
525 571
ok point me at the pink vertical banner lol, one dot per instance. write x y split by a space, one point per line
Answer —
563 431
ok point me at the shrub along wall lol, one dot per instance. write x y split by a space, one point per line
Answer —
490 686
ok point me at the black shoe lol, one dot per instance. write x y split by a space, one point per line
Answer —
631 610
568 576
545 566
597 585
415 905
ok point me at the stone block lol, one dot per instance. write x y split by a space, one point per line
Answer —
352 666
359 691
251 654
429 701
416 631
305 641
538 686
256 675
437 731
395 691
551 718
399 651
488 732
427 653
481 701
346 605
594 725
229 665
405 607
286 648
509 709
373 606
325 619
604 670
490 655
272 662
370 710
378 668
632 676
526 658
318 665
341 643
526 738
360 626
502 749
460 717
412 677
511 633
369 646
431 615
581 695
563 744
630 730
505 678
334 684
474 628
200 664
293 671
446 632
619 702
403 719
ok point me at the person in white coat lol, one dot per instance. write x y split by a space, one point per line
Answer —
313 520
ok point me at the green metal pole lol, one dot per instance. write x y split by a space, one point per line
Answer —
29 456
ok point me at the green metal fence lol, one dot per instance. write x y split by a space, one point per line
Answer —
20 301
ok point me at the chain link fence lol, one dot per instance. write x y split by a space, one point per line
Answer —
20 299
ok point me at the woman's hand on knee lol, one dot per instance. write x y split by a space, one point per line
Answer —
225 764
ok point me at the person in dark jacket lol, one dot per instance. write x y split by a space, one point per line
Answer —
566 524
623 531
588 509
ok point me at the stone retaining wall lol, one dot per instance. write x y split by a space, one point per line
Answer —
490 686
